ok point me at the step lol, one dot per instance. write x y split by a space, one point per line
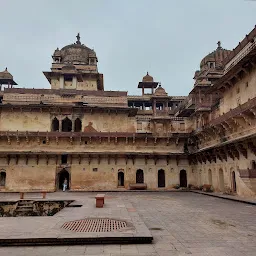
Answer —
26 202
25 207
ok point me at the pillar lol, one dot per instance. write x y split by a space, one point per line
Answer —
74 81
142 90
60 125
154 106
61 82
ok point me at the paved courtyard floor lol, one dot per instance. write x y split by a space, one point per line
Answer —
182 223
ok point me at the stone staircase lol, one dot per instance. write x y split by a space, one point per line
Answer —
24 208
248 176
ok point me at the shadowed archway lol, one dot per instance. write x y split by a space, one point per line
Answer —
221 180
161 178
66 125
233 181
62 175
120 179
183 179
139 176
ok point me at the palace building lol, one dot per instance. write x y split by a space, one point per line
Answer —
110 140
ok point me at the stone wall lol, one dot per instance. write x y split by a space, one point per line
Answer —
88 175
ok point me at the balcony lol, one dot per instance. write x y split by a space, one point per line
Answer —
234 112
203 106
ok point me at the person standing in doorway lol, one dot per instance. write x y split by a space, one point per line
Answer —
65 185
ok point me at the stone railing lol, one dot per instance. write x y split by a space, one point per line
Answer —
239 56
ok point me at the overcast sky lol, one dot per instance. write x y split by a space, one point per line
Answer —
167 38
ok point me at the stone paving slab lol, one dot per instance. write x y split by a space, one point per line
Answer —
48 230
181 224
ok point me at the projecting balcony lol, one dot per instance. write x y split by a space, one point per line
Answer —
204 106
246 107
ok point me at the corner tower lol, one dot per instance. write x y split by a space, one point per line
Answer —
75 67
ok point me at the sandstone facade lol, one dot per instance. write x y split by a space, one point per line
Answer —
108 140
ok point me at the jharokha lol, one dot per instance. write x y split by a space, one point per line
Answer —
109 140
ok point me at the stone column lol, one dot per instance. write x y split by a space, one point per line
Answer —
61 82
154 106
74 81
60 125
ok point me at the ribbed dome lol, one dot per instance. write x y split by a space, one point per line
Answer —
147 78
76 52
216 56
160 91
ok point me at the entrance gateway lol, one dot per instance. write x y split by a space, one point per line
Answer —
62 175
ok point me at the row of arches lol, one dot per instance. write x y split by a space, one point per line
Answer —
66 125
160 176
222 180
64 174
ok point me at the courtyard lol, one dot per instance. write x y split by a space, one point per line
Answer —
181 223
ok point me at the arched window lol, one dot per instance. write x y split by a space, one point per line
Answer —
161 178
139 176
120 179
66 125
78 125
55 125
2 178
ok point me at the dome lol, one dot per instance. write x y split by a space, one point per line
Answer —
76 52
57 53
6 75
216 56
160 91
147 78
92 54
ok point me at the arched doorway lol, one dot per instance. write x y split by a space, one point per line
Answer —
62 175
120 179
161 178
233 181
78 125
66 125
210 176
183 179
221 180
55 125
2 178
139 176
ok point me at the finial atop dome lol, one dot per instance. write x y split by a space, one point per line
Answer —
78 38
147 78
219 45
160 91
